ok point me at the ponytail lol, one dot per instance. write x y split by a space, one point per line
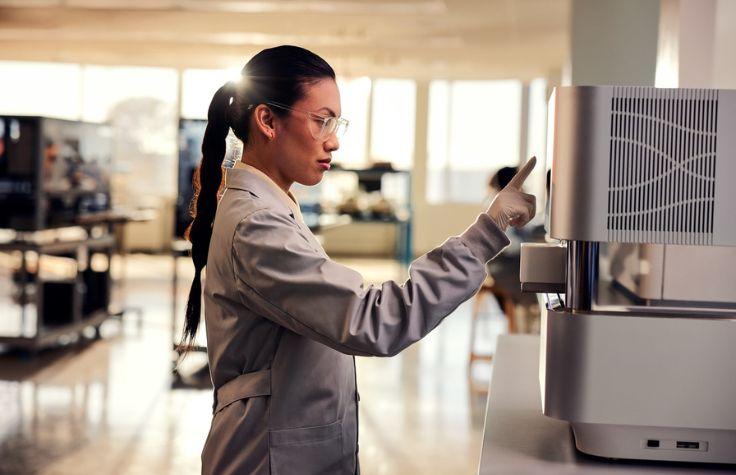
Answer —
206 186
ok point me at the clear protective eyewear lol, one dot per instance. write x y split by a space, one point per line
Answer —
325 125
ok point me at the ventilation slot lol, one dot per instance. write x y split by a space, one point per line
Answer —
661 185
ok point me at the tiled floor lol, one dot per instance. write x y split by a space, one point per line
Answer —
108 407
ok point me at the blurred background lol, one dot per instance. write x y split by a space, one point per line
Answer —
102 111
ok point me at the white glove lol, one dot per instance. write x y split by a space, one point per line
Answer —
511 206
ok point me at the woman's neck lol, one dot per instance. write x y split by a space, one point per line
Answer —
266 165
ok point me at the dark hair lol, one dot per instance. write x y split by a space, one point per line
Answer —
273 75
502 177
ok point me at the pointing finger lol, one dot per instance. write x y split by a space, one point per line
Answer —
518 180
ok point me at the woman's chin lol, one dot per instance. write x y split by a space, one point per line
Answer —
311 179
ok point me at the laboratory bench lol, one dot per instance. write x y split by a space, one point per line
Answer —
518 438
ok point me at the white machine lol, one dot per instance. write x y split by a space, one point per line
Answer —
639 331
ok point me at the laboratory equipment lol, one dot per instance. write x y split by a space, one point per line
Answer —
52 172
638 344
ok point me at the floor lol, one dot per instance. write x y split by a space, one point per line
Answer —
107 406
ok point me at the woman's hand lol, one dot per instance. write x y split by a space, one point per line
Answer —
511 206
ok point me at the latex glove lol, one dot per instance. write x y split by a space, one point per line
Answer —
511 206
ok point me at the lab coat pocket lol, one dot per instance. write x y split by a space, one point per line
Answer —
308 450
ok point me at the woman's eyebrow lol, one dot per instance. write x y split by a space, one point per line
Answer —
330 111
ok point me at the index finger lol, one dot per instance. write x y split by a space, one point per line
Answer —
522 174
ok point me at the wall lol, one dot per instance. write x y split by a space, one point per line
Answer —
614 42
724 59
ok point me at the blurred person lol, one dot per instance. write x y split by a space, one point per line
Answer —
55 169
283 320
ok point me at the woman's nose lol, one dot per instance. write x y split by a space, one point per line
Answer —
332 143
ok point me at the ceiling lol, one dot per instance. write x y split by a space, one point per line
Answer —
389 38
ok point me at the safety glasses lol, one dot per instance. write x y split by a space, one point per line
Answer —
320 126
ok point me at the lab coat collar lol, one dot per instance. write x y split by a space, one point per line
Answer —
246 177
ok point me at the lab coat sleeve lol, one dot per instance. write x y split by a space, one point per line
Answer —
281 276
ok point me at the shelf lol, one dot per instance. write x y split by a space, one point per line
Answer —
51 305
57 247
49 335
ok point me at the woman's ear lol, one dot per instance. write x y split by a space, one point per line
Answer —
265 121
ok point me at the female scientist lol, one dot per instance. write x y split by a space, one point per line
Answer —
283 320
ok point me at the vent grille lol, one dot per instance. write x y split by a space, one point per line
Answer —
661 186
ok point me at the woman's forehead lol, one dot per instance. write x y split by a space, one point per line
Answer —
322 94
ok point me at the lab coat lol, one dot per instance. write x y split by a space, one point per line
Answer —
284 323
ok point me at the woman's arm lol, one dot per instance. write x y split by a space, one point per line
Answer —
286 280
282 277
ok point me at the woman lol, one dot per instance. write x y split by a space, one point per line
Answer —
284 321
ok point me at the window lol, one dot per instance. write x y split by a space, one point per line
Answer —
473 131
140 104
392 122
27 90
197 88
355 98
